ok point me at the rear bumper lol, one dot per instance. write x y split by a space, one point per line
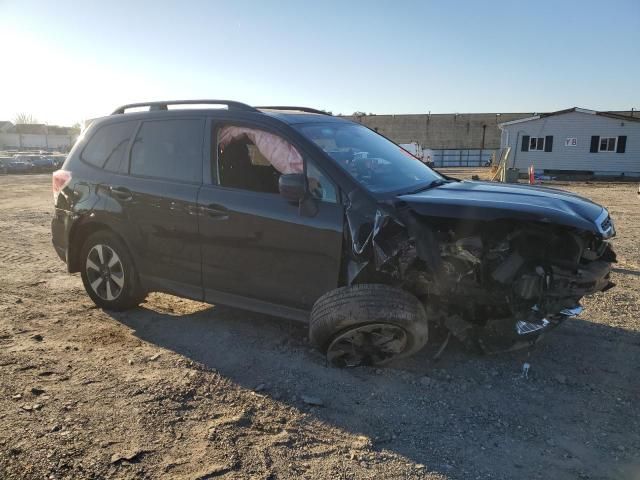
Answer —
60 229
62 252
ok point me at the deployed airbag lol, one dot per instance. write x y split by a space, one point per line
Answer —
283 156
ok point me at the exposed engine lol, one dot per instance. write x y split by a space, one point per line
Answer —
503 283
494 285
494 282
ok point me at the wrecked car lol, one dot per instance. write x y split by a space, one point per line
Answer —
292 212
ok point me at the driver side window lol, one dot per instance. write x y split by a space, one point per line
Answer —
253 159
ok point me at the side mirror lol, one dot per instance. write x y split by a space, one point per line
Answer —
293 187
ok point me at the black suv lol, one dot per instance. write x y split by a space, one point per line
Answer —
296 213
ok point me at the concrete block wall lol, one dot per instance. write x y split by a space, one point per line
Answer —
447 130
32 140
443 130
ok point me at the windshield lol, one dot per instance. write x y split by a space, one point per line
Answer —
372 160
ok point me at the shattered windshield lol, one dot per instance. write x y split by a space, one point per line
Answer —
375 162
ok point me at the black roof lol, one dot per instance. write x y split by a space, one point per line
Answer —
615 115
293 116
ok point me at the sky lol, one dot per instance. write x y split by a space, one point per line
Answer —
66 61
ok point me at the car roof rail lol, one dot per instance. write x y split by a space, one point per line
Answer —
162 105
299 109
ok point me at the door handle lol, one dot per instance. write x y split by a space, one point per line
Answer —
192 210
216 211
121 193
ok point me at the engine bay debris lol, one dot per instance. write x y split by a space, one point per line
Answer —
496 285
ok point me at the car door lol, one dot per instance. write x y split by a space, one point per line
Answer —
255 244
157 194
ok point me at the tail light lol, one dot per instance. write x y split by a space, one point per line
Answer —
59 180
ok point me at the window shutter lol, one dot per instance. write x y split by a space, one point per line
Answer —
525 143
548 143
622 144
595 140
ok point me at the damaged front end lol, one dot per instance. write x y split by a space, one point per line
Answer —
496 284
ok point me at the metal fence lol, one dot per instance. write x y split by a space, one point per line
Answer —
460 158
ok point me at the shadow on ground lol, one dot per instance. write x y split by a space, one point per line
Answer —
463 415
626 271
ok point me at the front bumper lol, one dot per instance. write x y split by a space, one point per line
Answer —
524 327
506 335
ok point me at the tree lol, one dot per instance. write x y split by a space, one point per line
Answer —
24 119
359 114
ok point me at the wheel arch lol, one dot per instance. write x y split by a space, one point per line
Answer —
79 234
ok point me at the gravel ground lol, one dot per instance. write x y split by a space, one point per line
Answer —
181 389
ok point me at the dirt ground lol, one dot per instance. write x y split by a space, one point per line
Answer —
181 389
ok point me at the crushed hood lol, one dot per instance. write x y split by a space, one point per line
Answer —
491 201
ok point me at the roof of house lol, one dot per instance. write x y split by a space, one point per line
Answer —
615 115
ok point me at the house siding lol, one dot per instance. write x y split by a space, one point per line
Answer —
581 126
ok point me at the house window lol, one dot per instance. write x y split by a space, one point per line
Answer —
608 144
536 143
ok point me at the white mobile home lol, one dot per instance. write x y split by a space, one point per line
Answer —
575 141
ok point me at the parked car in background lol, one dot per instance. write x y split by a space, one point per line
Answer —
4 162
42 164
20 164
57 160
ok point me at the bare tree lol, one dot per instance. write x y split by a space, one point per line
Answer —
24 118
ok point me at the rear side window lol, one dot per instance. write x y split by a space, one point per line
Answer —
107 148
169 149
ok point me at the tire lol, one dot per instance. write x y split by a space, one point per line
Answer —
370 312
111 282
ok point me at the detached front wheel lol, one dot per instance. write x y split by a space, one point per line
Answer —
368 324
